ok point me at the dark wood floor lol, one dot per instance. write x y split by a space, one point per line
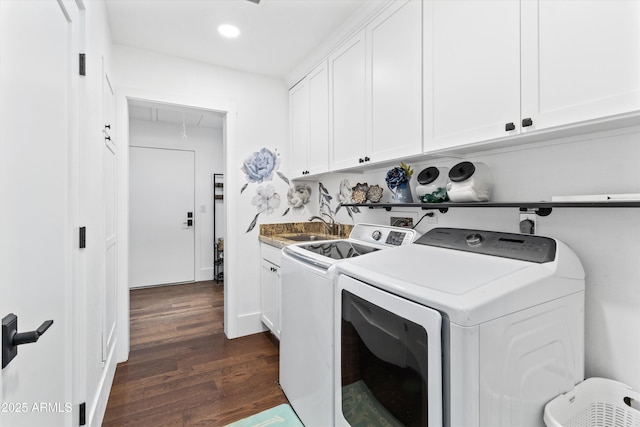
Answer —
183 371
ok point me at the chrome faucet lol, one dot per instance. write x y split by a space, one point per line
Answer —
330 228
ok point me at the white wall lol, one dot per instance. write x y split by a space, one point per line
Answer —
207 145
606 240
261 106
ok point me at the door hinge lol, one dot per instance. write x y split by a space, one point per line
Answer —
83 65
83 237
83 413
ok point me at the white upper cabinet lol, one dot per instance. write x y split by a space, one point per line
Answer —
299 127
376 90
347 108
318 158
394 82
500 68
429 76
309 116
580 60
471 71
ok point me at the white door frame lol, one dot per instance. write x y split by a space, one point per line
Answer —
123 95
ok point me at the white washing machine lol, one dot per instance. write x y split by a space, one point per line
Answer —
306 332
463 328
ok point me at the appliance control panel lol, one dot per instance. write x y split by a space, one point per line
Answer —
524 247
383 234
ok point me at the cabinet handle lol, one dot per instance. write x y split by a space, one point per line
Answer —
527 122
509 126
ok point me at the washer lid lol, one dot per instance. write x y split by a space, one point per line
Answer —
470 288
445 271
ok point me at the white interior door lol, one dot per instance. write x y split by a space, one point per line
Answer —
162 195
36 194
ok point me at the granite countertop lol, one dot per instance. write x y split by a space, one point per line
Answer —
282 234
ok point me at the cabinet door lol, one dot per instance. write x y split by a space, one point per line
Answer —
299 127
318 148
471 71
394 82
270 296
580 60
347 103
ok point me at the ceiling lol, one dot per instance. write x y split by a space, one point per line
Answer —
166 113
275 35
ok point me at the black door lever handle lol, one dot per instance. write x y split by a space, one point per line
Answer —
32 336
11 339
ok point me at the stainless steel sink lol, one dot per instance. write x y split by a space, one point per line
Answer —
307 237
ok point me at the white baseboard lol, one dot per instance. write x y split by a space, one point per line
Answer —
98 407
249 324
205 274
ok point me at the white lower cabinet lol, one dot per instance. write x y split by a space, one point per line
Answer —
270 288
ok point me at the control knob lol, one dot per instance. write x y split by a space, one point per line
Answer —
377 234
474 239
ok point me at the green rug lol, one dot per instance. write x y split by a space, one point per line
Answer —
280 416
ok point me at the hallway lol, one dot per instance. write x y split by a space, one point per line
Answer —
182 371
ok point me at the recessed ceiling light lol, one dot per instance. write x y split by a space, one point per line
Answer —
230 31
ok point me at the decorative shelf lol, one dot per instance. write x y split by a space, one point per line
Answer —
218 248
541 208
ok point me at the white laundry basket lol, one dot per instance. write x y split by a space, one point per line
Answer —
595 402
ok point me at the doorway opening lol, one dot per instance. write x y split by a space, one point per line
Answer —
144 109
174 154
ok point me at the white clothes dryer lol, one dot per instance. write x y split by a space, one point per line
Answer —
462 328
